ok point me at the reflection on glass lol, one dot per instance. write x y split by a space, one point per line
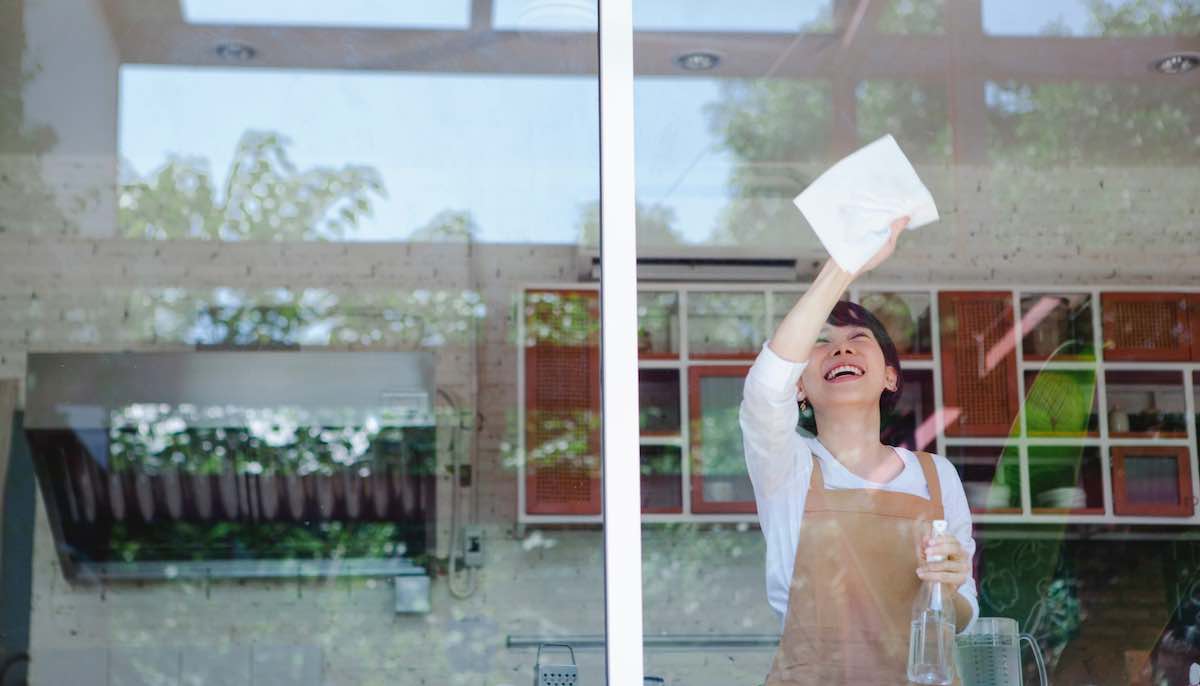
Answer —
397 172
990 475
725 324
1152 480
916 113
361 13
719 479
658 324
781 303
906 318
1057 326
1085 18
658 400
769 163
371 179
813 16
562 402
913 17
1091 123
1061 403
1065 479
1145 404
662 479
912 422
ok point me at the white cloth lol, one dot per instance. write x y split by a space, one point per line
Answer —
779 460
852 205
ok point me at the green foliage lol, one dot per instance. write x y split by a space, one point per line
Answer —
178 541
265 197
561 318
150 438
1144 17
771 126
913 17
448 226
1093 123
916 113
310 316
655 225
26 198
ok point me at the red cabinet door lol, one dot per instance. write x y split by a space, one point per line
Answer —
979 364
1146 327
562 402
1154 481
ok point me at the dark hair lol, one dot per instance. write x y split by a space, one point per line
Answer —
846 313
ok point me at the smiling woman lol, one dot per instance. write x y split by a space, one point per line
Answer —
865 507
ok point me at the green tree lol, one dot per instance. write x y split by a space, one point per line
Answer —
265 197
778 133
448 226
1144 17
655 225
26 199
1093 123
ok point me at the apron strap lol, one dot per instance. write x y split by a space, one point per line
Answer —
932 480
816 486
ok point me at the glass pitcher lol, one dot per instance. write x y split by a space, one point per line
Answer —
989 653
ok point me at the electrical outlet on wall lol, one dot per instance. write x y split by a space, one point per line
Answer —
472 551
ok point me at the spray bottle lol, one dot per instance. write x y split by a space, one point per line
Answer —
931 641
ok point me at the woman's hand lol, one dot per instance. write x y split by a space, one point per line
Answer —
954 569
885 252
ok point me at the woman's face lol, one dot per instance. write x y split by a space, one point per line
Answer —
846 369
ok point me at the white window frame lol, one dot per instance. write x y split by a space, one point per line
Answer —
1103 442
620 462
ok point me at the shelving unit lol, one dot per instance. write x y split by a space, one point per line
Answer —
1071 392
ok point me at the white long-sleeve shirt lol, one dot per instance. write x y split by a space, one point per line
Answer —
780 462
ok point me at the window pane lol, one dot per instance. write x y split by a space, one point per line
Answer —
298 364
725 325
1031 320
1080 18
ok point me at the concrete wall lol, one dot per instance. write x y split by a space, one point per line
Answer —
549 581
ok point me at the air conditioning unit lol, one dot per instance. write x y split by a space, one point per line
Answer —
723 269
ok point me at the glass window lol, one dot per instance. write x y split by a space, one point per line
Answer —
1035 342
1057 326
1079 18
306 376
725 325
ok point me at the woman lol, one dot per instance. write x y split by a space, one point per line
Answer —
846 517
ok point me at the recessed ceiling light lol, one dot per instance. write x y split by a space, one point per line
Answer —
233 51
1177 63
698 61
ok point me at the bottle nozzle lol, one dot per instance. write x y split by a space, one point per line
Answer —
939 528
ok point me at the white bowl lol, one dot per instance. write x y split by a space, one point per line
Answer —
1071 497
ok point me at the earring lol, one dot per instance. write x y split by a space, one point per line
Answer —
803 405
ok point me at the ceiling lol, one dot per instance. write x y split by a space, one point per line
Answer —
155 32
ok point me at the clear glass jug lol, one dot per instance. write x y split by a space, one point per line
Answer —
989 653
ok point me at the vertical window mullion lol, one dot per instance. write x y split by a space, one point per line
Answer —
619 386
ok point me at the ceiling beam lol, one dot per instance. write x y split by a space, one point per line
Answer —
744 55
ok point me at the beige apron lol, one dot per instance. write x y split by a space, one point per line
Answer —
850 603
